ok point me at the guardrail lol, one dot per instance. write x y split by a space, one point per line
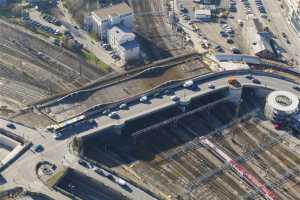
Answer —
127 76
170 85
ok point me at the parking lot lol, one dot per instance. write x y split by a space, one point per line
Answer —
230 35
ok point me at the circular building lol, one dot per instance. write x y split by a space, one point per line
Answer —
280 105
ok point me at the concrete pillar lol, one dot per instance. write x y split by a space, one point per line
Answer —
235 94
118 128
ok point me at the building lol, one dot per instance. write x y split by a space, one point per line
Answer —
101 20
261 45
292 8
260 41
203 15
123 41
280 106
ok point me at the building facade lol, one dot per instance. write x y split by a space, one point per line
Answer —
100 21
292 8
123 41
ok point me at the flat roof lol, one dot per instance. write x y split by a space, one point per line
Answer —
114 10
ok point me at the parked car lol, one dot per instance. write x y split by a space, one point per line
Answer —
211 86
256 81
11 126
113 115
38 148
250 77
297 88
85 164
175 98
234 82
99 171
284 34
57 136
123 106
110 177
144 99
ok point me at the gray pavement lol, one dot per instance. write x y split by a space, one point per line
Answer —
22 171
279 23
140 109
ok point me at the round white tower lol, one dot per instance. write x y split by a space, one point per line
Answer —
280 105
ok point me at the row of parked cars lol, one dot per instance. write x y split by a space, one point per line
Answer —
232 6
37 25
260 6
247 5
52 20
113 54
106 174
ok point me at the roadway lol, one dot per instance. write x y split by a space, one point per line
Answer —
137 109
22 171
279 23
132 193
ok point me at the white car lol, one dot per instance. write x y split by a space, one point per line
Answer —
188 84
57 136
144 99
121 182
211 86
123 106
113 115
175 98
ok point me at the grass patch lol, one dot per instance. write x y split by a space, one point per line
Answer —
56 177
94 36
92 59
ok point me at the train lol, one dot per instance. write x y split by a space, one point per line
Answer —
241 171
55 128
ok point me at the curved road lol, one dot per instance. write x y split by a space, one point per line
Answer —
22 171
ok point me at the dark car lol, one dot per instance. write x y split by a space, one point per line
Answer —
11 126
284 34
99 171
38 148
230 41
85 164
297 88
110 177
256 81
250 77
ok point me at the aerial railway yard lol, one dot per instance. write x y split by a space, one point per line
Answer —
37 70
164 138
172 160
153 24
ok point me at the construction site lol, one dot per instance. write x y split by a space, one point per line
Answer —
218 147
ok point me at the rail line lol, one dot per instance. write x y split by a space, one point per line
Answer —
241 171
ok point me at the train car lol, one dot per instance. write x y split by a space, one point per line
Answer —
55 128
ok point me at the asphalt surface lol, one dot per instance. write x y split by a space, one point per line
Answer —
87 188
22 171
279 23
140 109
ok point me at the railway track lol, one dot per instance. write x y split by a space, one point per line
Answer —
154 27
34 42
28 56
